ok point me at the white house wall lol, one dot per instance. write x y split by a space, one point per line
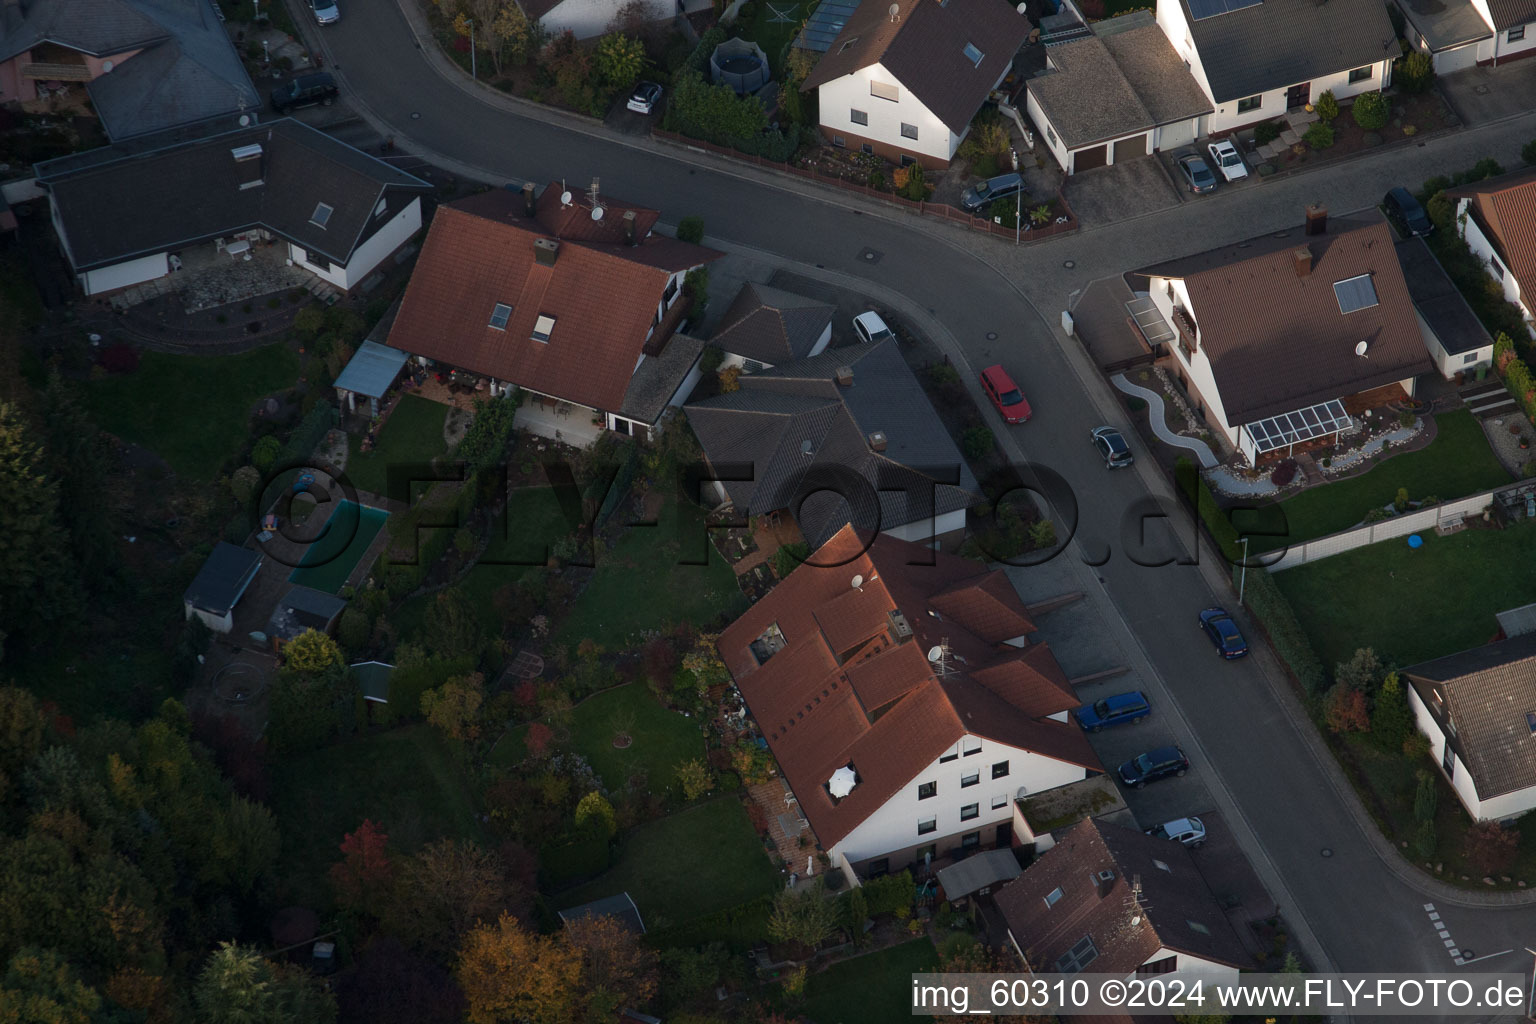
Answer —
124 275
894 826
925 531
1272 103
1199 367
588 18
836 99
374 250
1461 778
1483 249
1188 963
1506 50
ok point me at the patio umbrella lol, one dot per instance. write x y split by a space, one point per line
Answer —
842 782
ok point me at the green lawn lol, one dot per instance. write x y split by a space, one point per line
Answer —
1457 463
686 865
871 989
408 780
412 434
1413 605
773 35
662 739
643 584
192 411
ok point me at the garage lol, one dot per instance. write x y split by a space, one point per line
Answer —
1130 149
1088 159
1459 59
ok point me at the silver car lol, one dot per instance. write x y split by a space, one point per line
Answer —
1189 831
326 11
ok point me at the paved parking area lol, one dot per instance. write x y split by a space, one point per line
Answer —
1483 94
1119 192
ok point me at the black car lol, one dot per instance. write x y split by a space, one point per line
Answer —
1154 765
303 91
983 192
1197 174
1111 445
1406 211
1216 624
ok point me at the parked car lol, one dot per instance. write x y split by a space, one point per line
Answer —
1406 211
869 327
1189 831
1227 160
305 90
1223 632
1005 394
1004 186
1197 175
1116 710
1154 765
644 97
1111 444
326 11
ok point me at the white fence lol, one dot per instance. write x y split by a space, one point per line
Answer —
1397 526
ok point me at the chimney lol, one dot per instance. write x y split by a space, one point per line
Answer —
629 228
1302 259
844 376
877 441
545 251
528 204
1317 219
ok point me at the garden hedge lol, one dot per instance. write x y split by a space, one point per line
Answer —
1273 611
740 927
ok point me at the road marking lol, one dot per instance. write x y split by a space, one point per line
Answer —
1486 956
1444 935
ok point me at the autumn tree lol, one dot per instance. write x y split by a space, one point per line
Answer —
1346 711
695 778
238 985
619 60
617 970
40 987
442 891
537 740
1490 848
363 875
510 975
454 707
803 916
594 814
312 652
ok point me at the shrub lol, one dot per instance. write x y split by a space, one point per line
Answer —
888 894
1042 534
1271 608
1283 473
915 188
943 373
1319 135
788 558
1266 132
1391 718
1439 183
1487 167
977 443
1415 73
1326 107
265 453
1401 501
1371 111
691 229
1346 710
1424 840
1426 798
1490 847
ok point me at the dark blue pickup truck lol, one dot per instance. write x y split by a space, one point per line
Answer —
1116 710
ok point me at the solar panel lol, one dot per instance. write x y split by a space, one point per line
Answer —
1202 9
1355 293
1154 328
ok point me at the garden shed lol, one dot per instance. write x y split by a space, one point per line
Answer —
219 585
300 610
369 374
978 875
622 907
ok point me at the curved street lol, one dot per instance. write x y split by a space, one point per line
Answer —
1360 907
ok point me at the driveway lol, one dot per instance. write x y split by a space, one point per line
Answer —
1483 94
1119 192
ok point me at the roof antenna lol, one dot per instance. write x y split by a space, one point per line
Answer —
937 654
1134 901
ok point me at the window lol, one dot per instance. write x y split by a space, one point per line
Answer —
1516 34
970 811
839 141
499 316
1530 720
970 841
970 746
1000 770
1251 103
907 161
1163 966
1362 74
926 853
1051 135
908 131
954 753
999 801
973 55
967 781
1054 896
542 328
926 790
927 825
1470 357
1078 957
1498 270
858 116
1196 926
1448 761
876 868
322 215
378 211
885 92
867 149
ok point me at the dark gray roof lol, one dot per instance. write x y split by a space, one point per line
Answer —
371 370
1279 43
186 69
116 204
303 609
1488 692
1445 25
223 578
1509 13
772 326
1439 301
777 414
978 872
621 907
658 378
372 679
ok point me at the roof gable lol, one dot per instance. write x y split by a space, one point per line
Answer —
1505 208
772 326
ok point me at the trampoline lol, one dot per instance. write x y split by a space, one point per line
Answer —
740 64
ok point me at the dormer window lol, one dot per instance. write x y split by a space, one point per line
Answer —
973 55
1355 293
1054 896
500 315
322 215
543 327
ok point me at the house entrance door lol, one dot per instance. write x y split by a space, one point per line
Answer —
1298 96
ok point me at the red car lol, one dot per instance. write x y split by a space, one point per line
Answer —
1005 394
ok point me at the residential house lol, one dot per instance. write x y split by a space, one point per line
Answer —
148 65
1465 33
766 326
898 691
1457 340
1279 340
1478 709
1257 59
1119 94
570 298
1496 217
1111 900
127 213
219 585
904 80
843 437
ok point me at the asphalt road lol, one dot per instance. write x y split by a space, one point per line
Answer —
1351 909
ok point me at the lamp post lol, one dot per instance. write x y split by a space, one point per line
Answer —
473 72
1242 582
1018 198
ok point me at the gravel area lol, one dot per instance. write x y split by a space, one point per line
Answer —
1507 446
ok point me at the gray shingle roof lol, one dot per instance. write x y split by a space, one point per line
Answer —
1278 43
1509 13
621 907
776 413
134 201
1438 300
1153 68
1488 692
221 581
659 377
303 609
1445 25
96 27
770 325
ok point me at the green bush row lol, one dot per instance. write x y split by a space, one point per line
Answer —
888 893
1274 612
1199 495
740 927
1517 375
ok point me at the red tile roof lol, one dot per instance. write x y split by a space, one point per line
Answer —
989 607
1505 208
602 293
819 715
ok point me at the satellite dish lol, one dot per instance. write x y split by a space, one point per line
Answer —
895 11
565 199
936 653
806 447
245 120
1022 8
597 213
1360 349
858 581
